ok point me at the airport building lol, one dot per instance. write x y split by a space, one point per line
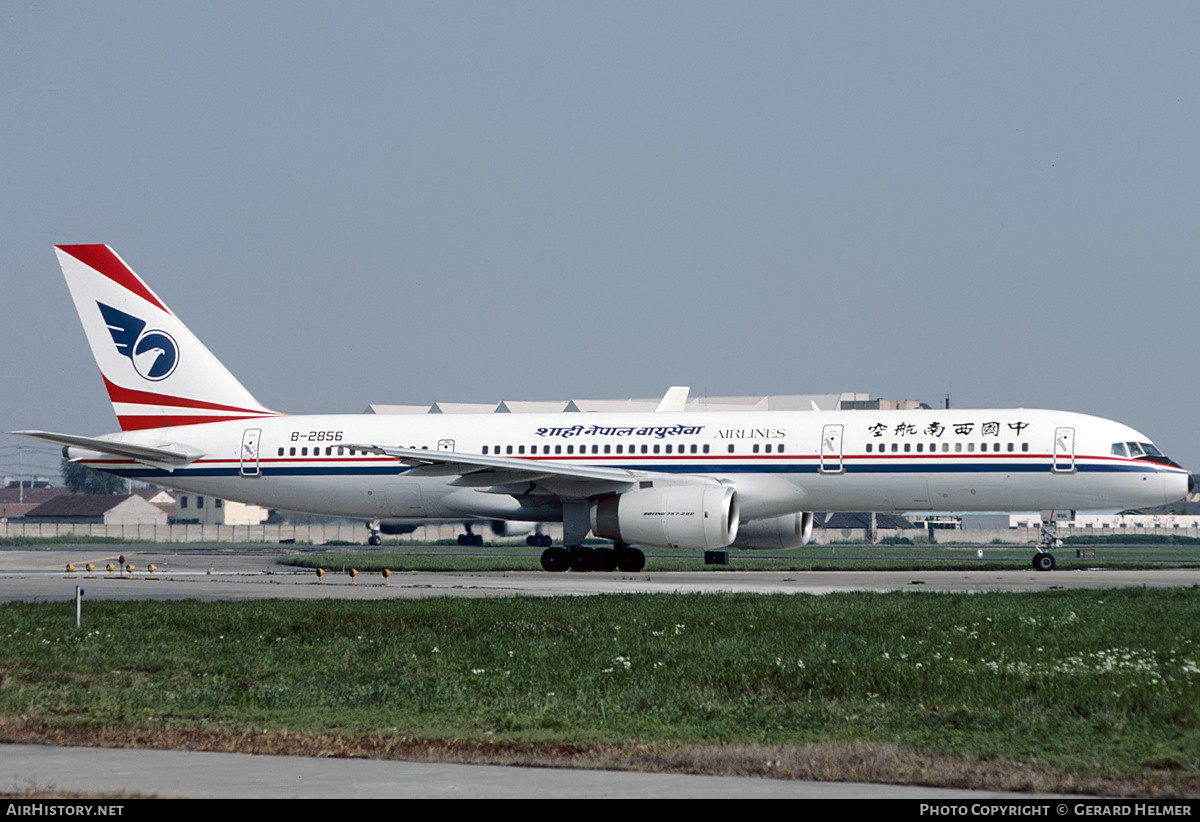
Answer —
677 401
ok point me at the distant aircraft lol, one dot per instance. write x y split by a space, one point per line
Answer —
689 480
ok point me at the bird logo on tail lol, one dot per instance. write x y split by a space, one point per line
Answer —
154 353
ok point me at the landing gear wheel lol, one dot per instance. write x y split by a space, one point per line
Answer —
555 559
374 539
582 559
631 560
605 560
1043 562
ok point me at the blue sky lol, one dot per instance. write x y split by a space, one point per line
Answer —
407 202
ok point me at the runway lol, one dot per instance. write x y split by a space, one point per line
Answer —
226 574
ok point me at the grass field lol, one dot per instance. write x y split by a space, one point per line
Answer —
1063 690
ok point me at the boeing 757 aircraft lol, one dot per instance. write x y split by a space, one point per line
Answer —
689 480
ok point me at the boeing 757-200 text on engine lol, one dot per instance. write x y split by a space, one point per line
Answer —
691 480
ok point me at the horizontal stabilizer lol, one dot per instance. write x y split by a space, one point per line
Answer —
167 455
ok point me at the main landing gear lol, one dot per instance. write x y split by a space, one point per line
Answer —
581 558
373 537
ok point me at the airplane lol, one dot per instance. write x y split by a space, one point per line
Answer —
667 479
504 529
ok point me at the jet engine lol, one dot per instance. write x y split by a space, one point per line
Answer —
672 516
508 528
787 531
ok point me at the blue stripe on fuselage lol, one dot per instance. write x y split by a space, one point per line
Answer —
755 467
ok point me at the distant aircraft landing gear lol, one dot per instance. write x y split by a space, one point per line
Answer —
470 538
539 540
373 537
583 558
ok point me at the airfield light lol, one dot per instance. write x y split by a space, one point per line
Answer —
353 575
70 570
386 574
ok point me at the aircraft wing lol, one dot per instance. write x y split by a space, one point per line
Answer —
168 456
506 475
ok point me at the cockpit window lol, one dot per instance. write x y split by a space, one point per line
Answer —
1136 449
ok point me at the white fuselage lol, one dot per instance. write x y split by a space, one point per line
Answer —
779 462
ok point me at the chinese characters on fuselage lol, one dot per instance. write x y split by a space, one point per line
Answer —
936 429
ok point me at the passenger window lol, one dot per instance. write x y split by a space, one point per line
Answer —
281 452
731 447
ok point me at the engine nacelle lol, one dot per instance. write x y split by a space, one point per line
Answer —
672 516
393 527
508 528
788 531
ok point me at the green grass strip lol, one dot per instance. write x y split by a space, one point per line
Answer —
1090 682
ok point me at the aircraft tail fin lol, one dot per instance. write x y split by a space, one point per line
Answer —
156 371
